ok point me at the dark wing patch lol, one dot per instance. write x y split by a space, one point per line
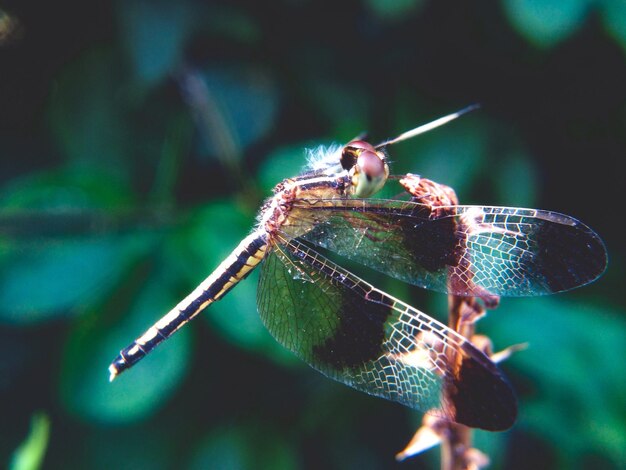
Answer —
498 251
358 335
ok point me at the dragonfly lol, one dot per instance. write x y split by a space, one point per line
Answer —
355 333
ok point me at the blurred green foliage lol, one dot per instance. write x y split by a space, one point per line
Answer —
29 455
139 138
548 22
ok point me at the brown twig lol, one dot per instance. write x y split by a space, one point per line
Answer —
456 439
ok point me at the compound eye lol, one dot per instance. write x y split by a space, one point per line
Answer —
370 173
352 151
371 165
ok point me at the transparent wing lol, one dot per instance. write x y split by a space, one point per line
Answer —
500 251
358 335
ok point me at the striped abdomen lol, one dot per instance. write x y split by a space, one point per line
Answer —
233 269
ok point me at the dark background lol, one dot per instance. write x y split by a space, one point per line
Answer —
138 139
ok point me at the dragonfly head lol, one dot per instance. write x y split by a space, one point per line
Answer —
367 167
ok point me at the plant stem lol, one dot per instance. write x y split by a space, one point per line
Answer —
456 438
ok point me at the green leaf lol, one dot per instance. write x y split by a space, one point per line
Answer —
515 179
61 277
235 108
284 162
397 9
30 454
546 23
64 189
155 33
453 155
93 344
614 17
573 363
244 447
346 107
232 22
492 444
59 252
236 317
149 445
88 113
206 237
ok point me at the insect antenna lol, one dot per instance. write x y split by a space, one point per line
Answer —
429 126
